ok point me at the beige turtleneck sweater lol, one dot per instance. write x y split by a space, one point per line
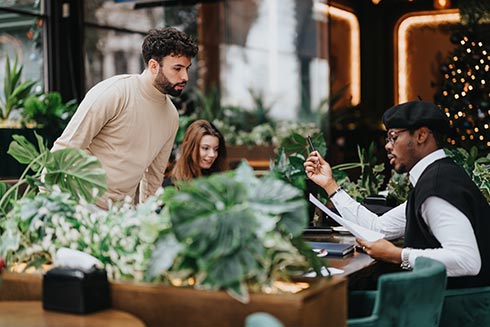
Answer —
130 127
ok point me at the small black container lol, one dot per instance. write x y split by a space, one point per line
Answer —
76 291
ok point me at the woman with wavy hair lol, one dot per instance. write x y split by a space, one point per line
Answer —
203 152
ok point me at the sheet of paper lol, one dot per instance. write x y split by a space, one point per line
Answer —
356 230
325 272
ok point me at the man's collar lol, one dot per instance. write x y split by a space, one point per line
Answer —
423 163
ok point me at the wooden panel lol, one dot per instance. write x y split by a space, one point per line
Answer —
322 304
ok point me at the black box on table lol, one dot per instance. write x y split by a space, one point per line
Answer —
76 291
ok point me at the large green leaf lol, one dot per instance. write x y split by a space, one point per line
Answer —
7 203
22 150
76 172
223 221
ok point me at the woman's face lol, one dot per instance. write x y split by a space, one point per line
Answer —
208 151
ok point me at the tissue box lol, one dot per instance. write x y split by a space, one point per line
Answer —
76 291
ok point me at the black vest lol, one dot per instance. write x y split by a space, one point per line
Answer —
445 179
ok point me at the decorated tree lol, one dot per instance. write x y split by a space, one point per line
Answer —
464 90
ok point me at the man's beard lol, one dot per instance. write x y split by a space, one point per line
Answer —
163 85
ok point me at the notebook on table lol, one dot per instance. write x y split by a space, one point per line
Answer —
332 248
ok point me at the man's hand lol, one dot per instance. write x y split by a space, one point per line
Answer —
320 172
382 250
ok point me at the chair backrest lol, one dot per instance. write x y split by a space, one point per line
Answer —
262 319
412 298
466 307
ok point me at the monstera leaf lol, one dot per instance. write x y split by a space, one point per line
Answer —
73 170
76 172
26 153
233 224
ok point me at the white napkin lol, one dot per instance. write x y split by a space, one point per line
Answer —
69 258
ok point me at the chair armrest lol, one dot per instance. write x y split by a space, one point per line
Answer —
361 303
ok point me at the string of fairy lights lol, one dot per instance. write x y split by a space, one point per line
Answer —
465 92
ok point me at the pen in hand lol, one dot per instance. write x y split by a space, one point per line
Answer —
310 143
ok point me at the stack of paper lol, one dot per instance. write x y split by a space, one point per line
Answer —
356 230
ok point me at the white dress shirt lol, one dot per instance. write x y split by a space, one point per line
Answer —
459 251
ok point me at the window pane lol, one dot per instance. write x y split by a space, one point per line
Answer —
21 37
123 15
114 34
30 6
273 50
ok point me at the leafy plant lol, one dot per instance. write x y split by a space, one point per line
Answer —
208 105
371 178
73 170
290 167
235 231
15 91
477 167
48 110
122 238
288 164
229 231
397 188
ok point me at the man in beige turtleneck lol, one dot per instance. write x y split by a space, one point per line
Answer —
129 122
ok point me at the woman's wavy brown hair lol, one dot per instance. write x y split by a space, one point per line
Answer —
187 166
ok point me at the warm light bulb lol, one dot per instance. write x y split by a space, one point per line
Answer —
442 4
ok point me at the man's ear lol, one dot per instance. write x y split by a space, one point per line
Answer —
153 66
423 134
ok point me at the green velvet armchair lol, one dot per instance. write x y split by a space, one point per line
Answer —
262 319
466 307
412 298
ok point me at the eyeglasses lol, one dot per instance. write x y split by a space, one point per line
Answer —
393 135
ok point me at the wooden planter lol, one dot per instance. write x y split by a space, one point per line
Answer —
323 304
257 156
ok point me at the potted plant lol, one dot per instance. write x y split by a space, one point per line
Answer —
229 232
24 110
15 92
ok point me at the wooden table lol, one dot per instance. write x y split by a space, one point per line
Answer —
32 314
361 270
160 305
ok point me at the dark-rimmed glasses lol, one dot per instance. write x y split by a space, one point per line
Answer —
393 135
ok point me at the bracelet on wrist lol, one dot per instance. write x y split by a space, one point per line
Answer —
405 265
335 192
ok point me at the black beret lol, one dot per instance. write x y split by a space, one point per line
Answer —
415 114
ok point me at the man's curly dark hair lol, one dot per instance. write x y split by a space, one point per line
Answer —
160 43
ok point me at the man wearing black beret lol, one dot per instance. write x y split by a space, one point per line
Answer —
445 217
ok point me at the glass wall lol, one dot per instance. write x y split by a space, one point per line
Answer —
114 32
272 50
268 49
21 37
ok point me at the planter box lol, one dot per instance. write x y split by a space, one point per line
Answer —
257 156
324 303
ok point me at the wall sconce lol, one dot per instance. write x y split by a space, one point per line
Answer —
442 4
375 2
